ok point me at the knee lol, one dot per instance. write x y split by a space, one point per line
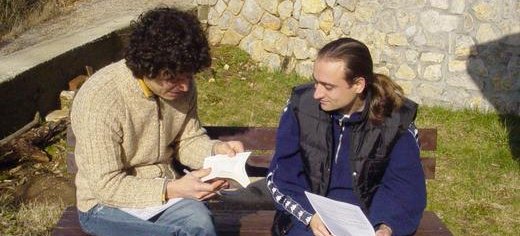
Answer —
200 222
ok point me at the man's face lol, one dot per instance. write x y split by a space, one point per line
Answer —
168 86
332 90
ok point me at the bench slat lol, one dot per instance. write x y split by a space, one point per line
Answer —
254 138
245 222
257 166
428 139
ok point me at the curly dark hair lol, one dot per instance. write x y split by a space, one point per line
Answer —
166 38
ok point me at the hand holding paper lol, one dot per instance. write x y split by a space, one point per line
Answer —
341 218
223 166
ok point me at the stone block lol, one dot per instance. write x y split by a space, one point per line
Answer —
428 90
313 6
220 6
330 3
326 21
297 9
289 27
464 46
405 72
285 9
300 48
252 11
57 115
270 6
272 61
434 22
433 72
366 11
304 68
234 6
457 6
231 37
214 35
487 32
270 22
456 66
485 11
309 21
387 21
432 57
441 4
241 26
397 39
348 4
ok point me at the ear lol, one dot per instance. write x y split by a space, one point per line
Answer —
359 85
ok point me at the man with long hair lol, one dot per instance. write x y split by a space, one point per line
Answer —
348 136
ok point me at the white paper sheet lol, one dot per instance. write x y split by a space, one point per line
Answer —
340 218
149 212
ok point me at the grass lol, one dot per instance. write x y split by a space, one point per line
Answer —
35 218
477 186
242 94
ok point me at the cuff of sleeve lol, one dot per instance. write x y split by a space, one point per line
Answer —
164 195
215 142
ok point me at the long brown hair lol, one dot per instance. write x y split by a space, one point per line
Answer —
383 94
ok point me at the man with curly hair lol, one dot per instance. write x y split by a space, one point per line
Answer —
135 122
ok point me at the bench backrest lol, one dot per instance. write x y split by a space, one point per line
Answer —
262 140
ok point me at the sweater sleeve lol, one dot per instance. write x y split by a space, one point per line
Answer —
193 143
286 179
99 154
401 198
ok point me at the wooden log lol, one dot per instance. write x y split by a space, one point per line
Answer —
28 146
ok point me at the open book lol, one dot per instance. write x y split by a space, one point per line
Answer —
341 218
223 166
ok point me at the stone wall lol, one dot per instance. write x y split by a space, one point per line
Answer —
456 53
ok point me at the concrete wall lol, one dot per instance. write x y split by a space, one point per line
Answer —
37 89
455 53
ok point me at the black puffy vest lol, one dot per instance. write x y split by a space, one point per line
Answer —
369 148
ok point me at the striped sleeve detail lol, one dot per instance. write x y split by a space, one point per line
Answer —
287 202
415 132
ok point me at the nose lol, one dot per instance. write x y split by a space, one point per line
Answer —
184 86
318 93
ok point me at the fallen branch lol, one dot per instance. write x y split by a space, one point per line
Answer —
28 146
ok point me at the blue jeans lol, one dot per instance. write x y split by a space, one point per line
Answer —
186 217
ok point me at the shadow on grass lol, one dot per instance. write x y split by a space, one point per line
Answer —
495 69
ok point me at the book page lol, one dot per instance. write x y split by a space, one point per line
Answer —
341 218
224 166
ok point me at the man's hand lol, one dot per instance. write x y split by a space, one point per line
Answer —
190 186
317 227
229 148
384 230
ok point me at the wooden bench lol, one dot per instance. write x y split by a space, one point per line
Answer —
251 210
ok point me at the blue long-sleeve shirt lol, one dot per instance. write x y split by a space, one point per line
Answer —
398 202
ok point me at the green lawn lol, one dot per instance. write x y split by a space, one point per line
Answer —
477 186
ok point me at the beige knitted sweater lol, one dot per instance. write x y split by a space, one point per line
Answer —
125 140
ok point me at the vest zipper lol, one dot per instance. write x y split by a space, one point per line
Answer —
342 126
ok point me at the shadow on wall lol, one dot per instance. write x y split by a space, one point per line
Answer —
495 69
